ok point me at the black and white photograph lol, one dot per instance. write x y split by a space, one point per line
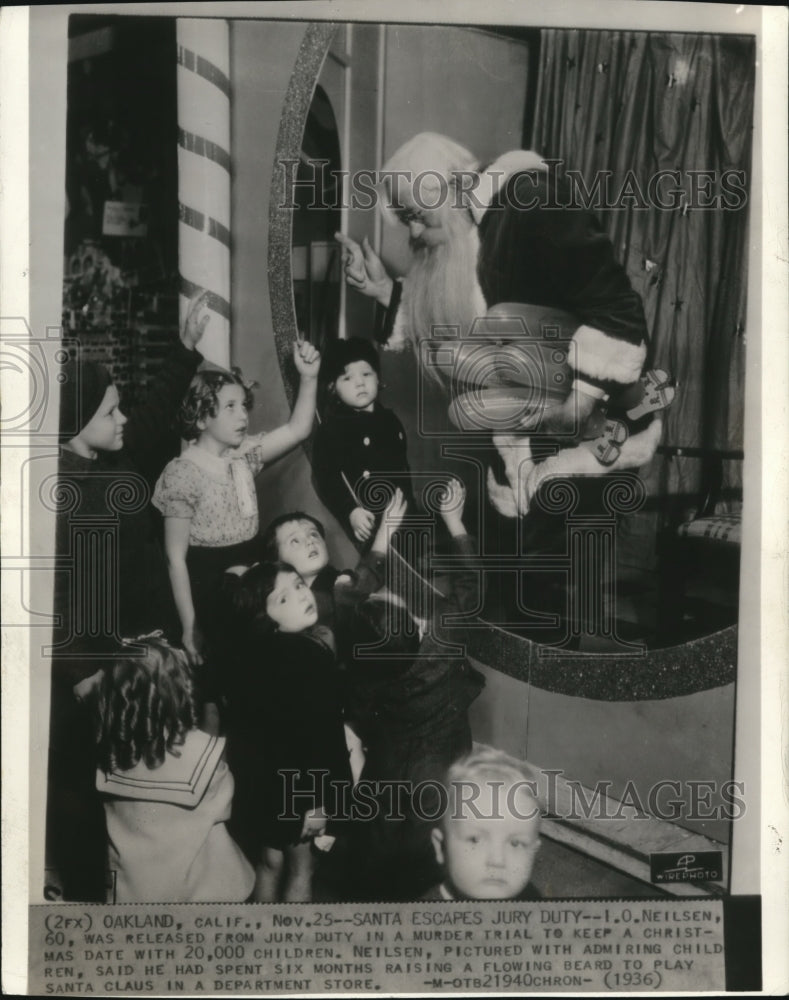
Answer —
394 559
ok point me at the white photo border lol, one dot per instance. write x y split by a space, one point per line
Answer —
29 84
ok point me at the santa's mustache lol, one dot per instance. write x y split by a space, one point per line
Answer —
441 289
428 240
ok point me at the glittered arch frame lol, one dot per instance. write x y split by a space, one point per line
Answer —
701 665
301 87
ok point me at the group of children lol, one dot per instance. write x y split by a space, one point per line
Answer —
267 686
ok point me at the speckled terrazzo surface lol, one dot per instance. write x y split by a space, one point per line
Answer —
291 130
699 665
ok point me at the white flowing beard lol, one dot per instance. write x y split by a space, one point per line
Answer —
441 289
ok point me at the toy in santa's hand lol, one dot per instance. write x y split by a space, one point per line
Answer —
513 369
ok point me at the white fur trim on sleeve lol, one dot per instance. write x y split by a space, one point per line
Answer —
598 355
398 338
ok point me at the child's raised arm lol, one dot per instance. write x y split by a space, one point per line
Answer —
176 546
298 428
451 506
390 522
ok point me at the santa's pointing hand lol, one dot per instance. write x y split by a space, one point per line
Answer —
364 269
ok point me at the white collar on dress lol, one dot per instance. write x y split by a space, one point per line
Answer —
226 466
493 179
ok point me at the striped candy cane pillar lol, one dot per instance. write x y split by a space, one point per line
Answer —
204 175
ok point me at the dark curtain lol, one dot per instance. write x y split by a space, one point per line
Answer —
636 102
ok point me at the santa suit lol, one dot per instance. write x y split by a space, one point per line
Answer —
534 251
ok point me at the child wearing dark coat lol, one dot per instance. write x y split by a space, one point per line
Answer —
107 466
285 715
409 693
286 730
358 440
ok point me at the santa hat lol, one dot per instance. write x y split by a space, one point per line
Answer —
418 168
495 176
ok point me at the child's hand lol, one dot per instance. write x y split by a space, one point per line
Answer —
395 511
314 824
86 687
210 720
451 505
362 523
307 359
197 317
390 521
453 499
193 644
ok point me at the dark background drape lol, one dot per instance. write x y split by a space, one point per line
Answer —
640 102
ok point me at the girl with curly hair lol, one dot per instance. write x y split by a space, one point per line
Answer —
207 497
167 790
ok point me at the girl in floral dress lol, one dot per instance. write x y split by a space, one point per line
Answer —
207 497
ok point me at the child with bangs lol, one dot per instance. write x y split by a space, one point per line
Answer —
167 790
208 500
361 451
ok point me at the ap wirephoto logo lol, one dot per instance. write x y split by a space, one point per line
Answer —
705 866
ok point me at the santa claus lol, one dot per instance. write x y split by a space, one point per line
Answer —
504 242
